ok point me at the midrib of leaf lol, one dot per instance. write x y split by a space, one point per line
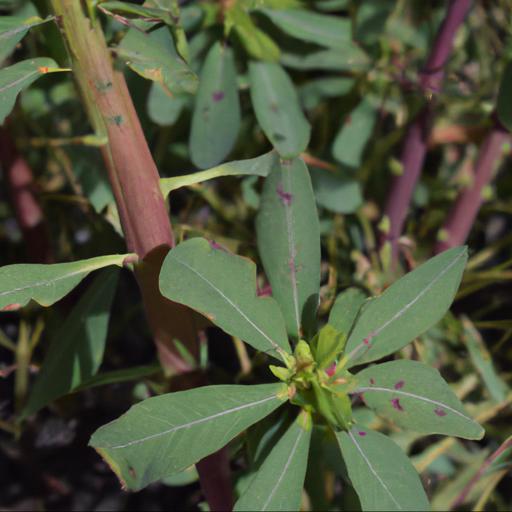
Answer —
274 345
18 81
413 395
292 249
401 311
192 423
38 284
285 470
372 470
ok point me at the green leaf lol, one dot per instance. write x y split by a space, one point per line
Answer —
153 56
504 104
163 108
277 108
46 284
355 132
216 118
117 376
222 286
257 44
259 166
407 308
15 78
311 93
288 235
415 396
76 350
380 472
345 309
278 483
336 191
330 31
352 58
166 434
13 29
137 11
482 360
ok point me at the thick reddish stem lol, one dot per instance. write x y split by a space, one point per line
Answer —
463 214
416 140
20 183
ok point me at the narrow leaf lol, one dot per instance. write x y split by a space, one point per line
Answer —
380 472
216 118
15 78
278 483
277 108
76 351
355 132
154 56
345 309
407 308
166 434
222 286
288 236
117 376
13 29
47 284
415 396
259 166
330 31
482 360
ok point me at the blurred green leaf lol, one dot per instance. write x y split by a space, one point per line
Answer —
118 376
322 29
137 11
288 237
313 92
277 108
163 108
222 287
153 56
13 29
257 44
352 58
216 118
336 191
166 434
354 133
482 360
76 350
380 472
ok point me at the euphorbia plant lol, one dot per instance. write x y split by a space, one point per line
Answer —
317 384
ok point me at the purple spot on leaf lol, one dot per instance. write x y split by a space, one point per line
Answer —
215 245
286 197
395 402
362 433
217 96
399 384
440 412
372 381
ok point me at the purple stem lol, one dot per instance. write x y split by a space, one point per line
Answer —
466 207
415 144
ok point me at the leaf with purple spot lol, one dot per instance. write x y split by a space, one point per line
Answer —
416 397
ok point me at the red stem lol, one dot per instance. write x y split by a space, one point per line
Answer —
28 212
416 140
463 214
